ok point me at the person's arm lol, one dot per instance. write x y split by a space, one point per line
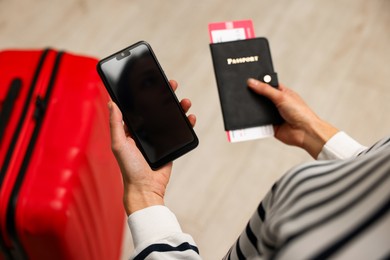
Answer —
155 230
340 146
303 128
157 234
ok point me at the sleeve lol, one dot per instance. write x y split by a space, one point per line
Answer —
251 243
340 146
262 238
157 235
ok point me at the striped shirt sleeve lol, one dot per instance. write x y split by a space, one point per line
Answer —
157 235
324 209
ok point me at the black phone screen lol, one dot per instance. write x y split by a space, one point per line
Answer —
150 109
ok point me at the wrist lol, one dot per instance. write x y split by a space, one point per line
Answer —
317 134
134 199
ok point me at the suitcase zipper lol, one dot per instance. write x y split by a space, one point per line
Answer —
15 137
17 251
40 110
8 105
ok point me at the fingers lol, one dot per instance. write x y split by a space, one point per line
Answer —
192 119
264 89
186 104
173 84
118 135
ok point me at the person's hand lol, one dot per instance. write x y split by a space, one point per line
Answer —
143 187
302 127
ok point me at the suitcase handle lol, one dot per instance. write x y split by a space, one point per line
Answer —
8 104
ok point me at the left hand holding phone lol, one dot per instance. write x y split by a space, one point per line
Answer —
143 187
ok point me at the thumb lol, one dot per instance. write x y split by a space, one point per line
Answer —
264 89
118 135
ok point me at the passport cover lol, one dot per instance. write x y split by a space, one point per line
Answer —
234 62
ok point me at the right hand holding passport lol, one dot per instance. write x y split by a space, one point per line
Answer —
302 127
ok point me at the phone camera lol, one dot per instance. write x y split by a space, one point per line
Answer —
123 54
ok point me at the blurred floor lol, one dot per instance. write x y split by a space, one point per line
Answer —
334 53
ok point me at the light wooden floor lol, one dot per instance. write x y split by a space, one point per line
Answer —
336 54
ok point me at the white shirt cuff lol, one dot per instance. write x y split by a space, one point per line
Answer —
152 224
340 146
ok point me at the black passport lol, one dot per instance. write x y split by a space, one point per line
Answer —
234 62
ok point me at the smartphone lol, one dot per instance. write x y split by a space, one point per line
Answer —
137 84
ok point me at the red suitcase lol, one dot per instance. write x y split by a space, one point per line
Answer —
60 187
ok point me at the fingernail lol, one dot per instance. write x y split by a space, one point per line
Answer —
109 104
